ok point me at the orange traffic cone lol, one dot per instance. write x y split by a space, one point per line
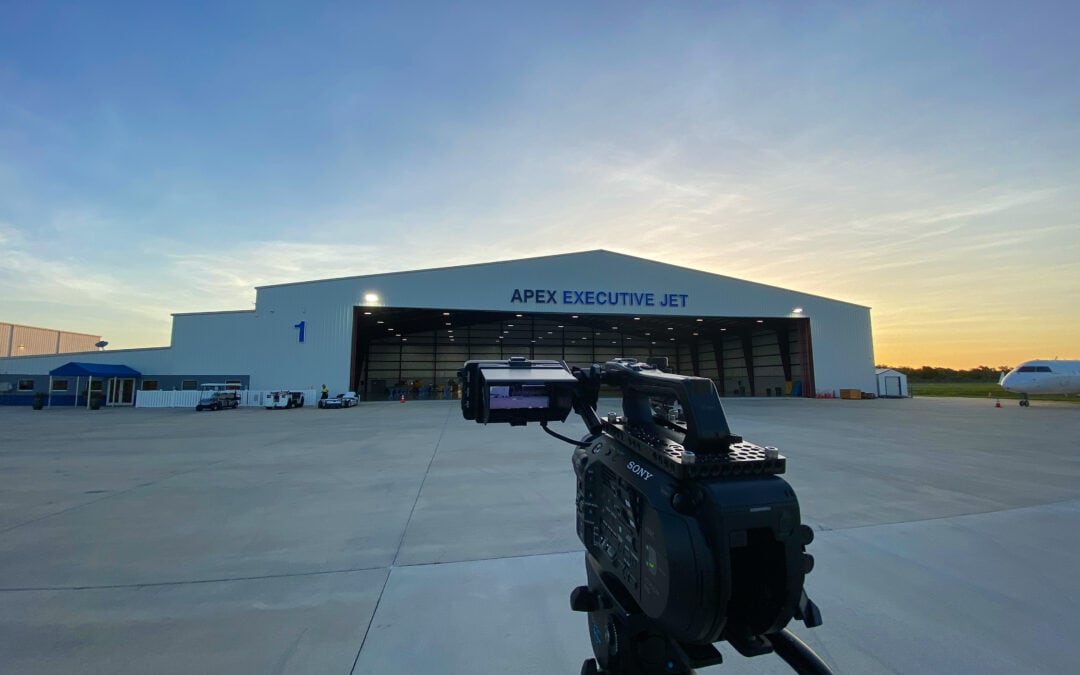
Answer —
998 404
403 398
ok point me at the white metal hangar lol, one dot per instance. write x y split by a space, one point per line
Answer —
376 333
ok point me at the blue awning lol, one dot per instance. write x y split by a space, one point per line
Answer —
76 369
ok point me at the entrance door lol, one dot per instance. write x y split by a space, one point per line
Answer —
892 386
121 391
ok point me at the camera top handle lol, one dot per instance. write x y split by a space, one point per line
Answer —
705 432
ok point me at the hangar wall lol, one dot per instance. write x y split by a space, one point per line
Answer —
215 342
842 342
264 343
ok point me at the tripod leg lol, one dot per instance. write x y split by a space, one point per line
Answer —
798 654
646 654
623 646
624 641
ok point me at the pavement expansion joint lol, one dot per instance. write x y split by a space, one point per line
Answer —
191 582
107 495
951 516
401 540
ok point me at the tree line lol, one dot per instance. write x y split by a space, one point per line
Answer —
932 374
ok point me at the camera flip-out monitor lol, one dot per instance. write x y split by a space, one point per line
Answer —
517 391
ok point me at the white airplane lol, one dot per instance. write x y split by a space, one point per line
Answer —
1042 377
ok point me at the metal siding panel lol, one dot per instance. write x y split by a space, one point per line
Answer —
549 352
454 352
481 352
33 341
843 349
265 344
41 341
77 342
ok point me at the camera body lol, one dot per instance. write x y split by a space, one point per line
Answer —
706 560
691 535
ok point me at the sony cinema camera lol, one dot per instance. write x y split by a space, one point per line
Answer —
691 536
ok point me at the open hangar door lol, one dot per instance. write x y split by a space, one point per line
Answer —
417 352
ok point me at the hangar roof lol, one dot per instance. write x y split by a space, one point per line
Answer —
581 258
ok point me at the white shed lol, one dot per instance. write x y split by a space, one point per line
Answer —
891 383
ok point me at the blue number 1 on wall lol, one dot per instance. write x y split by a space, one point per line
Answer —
301 327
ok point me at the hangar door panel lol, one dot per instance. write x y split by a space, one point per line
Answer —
743 356
768 366
759 370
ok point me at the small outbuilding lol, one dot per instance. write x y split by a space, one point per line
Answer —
891 383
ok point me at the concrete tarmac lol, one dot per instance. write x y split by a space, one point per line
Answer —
399 538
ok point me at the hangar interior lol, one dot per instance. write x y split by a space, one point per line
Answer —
394 347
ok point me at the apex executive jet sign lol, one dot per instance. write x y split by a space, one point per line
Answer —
544 296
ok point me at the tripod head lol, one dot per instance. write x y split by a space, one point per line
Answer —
691 536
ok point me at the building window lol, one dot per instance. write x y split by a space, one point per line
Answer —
149 385
59 385
189 385
26 385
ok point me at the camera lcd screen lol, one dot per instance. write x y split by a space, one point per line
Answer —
518 395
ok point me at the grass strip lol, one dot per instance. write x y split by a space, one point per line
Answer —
977 390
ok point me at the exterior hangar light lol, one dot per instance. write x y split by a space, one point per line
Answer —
371 297
797 310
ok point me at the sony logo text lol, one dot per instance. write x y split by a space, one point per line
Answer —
639 470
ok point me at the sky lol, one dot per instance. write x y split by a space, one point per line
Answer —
922 159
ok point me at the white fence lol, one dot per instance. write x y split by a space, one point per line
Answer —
190 399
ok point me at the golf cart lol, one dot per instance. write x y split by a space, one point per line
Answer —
218 400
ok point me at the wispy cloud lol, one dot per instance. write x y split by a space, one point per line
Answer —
230 275
45 290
